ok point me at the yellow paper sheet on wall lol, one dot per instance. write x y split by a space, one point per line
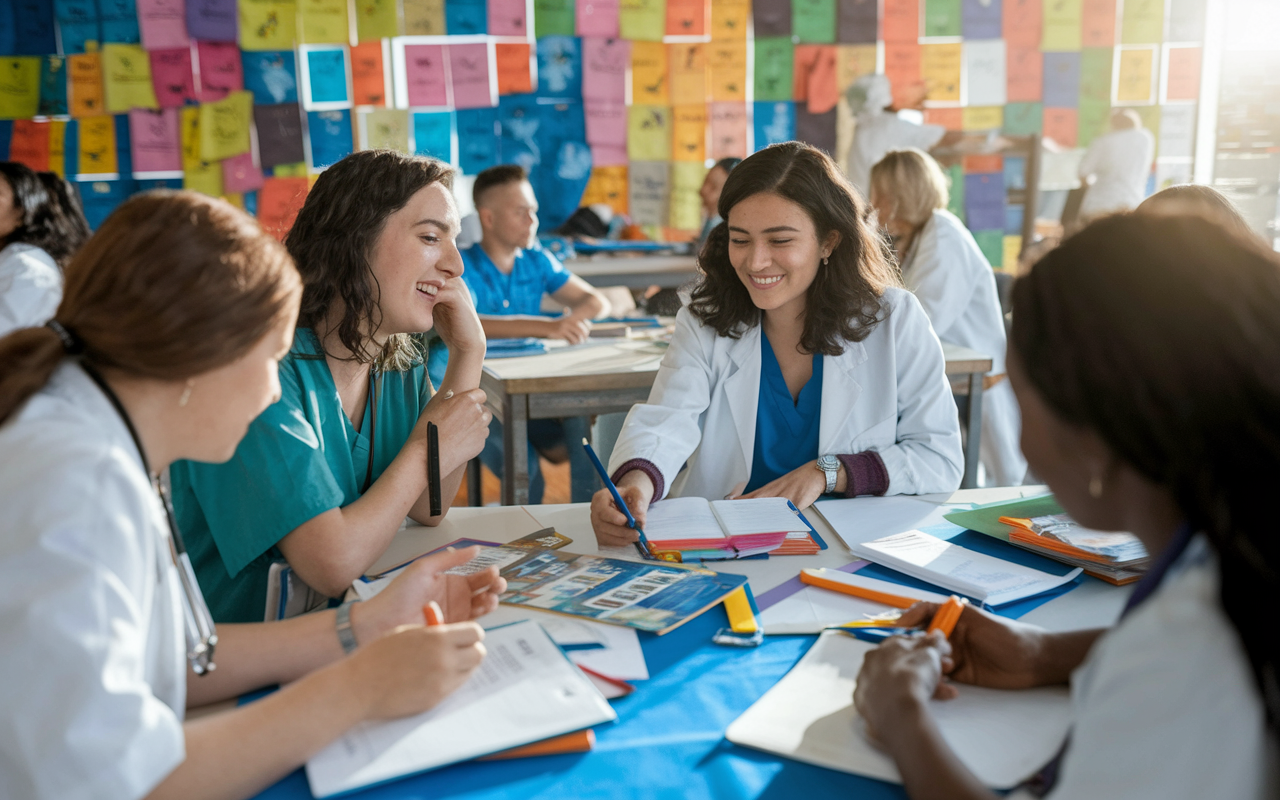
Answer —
728 71
688 68
649 133
607 185
421 17
1143 22
197 174
940 68
224 126
84 80
387 129
852 62
1012 249
642 20
729 20
649 85
324 21
58 147
380 19
686 205
268 25
1134 82
298 170
19 87
98 146
1063 21
983 118
689 133
127 76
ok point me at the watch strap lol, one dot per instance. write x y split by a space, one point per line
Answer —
346 637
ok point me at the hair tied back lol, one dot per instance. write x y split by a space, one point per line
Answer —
73 344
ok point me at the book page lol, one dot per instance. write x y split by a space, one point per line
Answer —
757 515
682 518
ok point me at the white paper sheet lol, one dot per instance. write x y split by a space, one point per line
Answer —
757 515
984 66
813 609
619 655
865 518
1001 736
682 518
524 691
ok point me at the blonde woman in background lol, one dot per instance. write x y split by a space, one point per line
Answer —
943 266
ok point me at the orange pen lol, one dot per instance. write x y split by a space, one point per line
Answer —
432 612
948 615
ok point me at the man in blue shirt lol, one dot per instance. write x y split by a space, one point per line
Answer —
508 273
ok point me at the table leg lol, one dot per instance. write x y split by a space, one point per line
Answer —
515 450
582 475
973 422
475 492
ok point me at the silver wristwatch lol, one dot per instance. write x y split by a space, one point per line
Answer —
830 466
346 636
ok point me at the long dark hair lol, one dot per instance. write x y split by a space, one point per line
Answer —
1161 335
174 284
845 301
334 234
52 218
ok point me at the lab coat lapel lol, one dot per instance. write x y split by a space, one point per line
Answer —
839 398
742 389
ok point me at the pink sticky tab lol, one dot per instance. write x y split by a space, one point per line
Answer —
470 76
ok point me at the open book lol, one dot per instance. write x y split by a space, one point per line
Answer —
719 529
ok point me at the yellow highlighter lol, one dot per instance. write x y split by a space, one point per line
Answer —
738 608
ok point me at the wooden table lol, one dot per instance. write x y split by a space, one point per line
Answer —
612 376
634 271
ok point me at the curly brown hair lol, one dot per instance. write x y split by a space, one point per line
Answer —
335 232
845 301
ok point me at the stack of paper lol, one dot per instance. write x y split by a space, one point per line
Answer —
985 578
723 528
1117 558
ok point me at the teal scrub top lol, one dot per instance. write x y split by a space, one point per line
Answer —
786 431
300 458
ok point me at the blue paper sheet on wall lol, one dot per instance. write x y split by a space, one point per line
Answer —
53 86
78 23
272 76
433 134
984 201
1061 80
774 122
119 20
124 149
466 17
6 135
330 134
980 19
327 72
31 28
100 198
559 66
477 139
1013 220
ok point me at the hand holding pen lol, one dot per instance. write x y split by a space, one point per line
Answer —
618 512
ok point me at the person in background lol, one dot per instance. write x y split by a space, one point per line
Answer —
1195 200
944 267
165 346
325 476
508 274
1116 166
878 129
800 367
710 190
41 227
1142 358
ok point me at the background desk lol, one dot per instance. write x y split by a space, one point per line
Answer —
669 738
603 377
634 271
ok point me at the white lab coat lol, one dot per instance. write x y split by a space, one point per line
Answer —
887 393
877 133
30 287
91 637
1165 706
953 281
1121 162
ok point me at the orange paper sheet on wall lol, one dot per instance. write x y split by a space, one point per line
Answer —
649 83
279 202
688 66
513 68
902 66
814 77
368 76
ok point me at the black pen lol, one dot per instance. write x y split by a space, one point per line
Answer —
433 469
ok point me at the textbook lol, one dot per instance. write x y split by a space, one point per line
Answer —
1003 737
985 578
722 529
524 691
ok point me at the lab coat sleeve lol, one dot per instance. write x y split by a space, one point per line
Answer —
666 430
30 290
943 287
1092 158
77 716
926 456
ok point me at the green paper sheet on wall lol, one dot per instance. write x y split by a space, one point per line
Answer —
774 65
814 20
942 18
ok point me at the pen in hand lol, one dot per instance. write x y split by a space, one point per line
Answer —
642 546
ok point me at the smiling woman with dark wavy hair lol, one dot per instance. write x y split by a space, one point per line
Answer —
801 362
325 476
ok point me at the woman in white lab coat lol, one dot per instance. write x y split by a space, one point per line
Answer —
165 346
800 366
41 226
1141 422
1116 166
943 266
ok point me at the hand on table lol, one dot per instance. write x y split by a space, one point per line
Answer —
801 486
460 597
608 521
573 330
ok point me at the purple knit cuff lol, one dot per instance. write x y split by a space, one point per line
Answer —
865 473
649 468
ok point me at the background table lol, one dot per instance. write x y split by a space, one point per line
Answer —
607 376
634 271
669 738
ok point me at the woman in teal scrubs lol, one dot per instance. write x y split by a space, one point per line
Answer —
324 478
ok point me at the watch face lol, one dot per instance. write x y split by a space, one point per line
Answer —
828 462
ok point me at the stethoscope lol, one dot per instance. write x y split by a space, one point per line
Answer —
201 636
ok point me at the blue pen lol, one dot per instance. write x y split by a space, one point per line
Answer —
643 545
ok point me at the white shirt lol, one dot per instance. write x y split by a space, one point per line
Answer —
1165 706
92 649
1121 160
875 134
888 393
30 287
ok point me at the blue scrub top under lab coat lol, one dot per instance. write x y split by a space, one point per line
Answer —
786 431
300 458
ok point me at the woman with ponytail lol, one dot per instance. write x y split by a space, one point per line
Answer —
1145 353
166 346
41 226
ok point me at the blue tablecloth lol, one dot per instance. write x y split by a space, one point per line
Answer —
669 737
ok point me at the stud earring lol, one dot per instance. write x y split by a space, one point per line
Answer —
826 260
186 394
1095 487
